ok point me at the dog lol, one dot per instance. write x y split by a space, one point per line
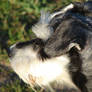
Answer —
57 60
35 67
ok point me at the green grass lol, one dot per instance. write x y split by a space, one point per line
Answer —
16 19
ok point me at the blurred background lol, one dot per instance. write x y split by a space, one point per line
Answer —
16 19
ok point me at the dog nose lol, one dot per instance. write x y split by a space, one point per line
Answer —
11 50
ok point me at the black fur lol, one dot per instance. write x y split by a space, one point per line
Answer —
75 68
35 42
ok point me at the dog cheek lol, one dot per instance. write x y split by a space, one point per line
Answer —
51 47
56 48
49 51
52 52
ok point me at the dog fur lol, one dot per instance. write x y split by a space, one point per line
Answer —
60 58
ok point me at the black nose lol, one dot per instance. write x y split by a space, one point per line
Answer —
9 51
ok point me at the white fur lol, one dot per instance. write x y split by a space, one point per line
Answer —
42 29
62 11
74 45
49 70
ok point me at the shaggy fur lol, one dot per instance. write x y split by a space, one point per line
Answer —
60 58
